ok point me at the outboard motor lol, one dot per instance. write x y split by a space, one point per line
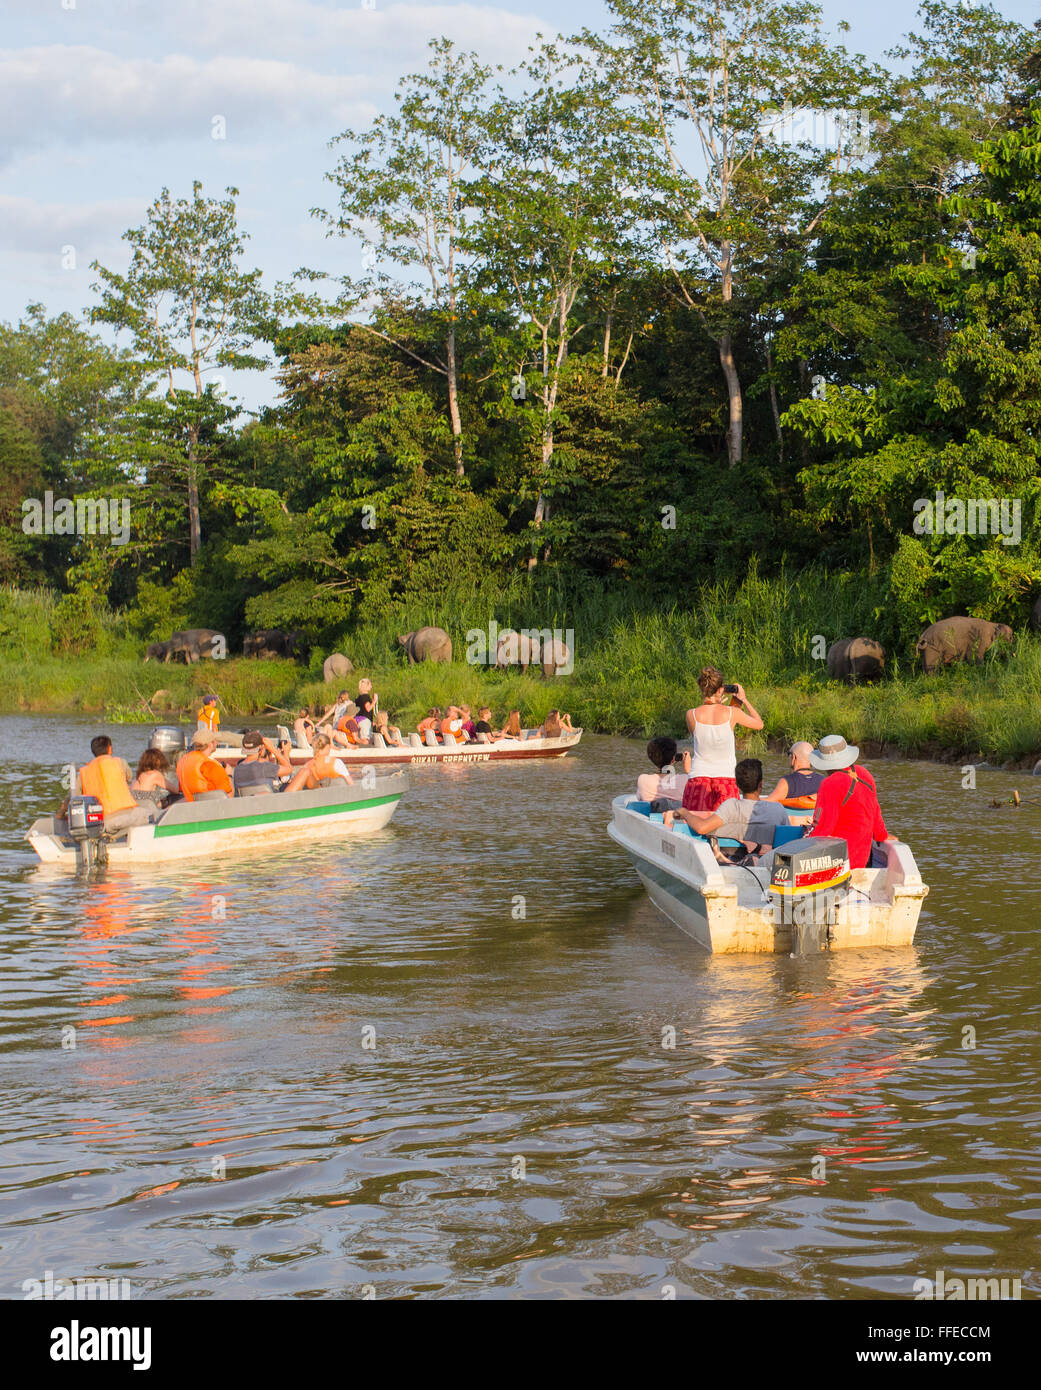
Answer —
86 828
168 739
807 885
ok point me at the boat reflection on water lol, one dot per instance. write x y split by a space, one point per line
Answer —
850 1035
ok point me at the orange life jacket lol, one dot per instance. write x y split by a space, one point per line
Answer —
105 778
800 803
459 735
209 716
425 724
322 766
193 780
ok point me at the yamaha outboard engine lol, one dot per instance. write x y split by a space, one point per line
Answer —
86 828
168 739
807 885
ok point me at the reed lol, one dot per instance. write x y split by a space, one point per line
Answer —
636 667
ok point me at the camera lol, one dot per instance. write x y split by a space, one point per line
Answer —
730 690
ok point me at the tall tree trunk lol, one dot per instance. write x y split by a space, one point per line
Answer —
607 343
735 428
194 527
541 505
453 404
774 406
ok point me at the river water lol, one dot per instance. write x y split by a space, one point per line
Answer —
435 1062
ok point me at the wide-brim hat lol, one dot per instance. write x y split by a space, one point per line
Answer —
833 753
203 738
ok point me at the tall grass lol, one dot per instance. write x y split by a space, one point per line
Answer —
636 668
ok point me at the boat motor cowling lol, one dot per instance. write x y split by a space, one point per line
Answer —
86 820
808 882
168 739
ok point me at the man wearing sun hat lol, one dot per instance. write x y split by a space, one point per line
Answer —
847 800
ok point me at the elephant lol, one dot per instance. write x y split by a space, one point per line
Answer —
1035 617
272 642
193 643
856 659
335 667
531 646
158 651
516 649
426 644
960 639
556 656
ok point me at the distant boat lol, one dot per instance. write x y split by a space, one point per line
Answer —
208 827
417 753
733 908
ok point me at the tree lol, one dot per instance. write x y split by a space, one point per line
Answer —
403 190
721 82
558 215
189 307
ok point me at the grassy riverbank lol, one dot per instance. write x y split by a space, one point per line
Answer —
628 688
635 668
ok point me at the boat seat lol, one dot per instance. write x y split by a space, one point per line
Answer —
784 833
284 733
250 791
209 796
431 739
642 808
378 741
414 741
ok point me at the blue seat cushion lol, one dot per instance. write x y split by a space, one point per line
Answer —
784 833
642 808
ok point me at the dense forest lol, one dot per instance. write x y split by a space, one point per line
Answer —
701 293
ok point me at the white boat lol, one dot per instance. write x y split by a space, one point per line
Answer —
417 753
205 827
730 908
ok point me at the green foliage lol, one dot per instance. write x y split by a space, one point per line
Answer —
77 625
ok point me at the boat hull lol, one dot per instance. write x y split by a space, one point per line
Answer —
203 829
507 750
728 910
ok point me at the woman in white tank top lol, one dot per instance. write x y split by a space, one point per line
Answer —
714 755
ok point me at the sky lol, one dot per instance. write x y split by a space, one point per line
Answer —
105 102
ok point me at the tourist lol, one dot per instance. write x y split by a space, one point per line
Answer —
555 725
847 801
512 727
106 778
256 770
469 726
430 723
209 722
745 817
154 785
663 788
304 729
198 773
452 730
714 753
798 788
325 766
483 731
390 733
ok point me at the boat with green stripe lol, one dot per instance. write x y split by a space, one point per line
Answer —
207 827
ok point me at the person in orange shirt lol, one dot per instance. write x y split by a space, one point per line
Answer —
198 772
209 722
106 778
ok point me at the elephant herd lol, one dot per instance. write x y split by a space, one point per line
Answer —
522 649
941 644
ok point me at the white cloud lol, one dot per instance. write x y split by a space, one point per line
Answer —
30 227
65 94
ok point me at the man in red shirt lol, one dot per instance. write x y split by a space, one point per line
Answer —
847 801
